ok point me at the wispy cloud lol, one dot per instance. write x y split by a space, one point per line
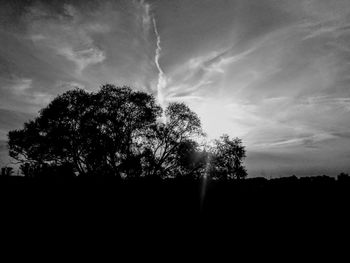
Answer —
325 29
145 14
327 101
274 73
202 73
69 37
162 82
217 61
83 58
309 141
22 88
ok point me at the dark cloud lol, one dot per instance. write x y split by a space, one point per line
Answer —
345 135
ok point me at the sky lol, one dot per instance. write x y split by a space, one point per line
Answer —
271 72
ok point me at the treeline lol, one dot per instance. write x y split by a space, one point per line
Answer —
289 181
122 133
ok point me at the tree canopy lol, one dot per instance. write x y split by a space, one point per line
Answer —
227 158
117 131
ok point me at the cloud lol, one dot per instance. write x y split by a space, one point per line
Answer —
144 14
10 120
325 29
23 90
21 86
310 141
162 81
274 73
201 72
185 90
83 58
69 35
329 102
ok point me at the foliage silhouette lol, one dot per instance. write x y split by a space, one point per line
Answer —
120 132
168 143
6 171
227 156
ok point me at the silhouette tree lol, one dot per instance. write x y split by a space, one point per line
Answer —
56 136
95 132
227 157
27 145
118 127
343 177
117 131
165 140
190 159
6 171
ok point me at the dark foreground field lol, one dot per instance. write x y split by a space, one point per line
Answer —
247 212
253 199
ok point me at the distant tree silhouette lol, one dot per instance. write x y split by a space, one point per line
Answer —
226 160
343 177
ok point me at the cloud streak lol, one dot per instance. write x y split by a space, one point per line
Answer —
162 82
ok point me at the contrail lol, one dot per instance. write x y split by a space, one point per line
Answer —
161 76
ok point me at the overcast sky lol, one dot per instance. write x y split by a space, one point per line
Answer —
272 72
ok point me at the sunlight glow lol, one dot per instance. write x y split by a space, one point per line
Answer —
219 117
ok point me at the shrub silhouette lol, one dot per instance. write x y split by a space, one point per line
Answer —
119 132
